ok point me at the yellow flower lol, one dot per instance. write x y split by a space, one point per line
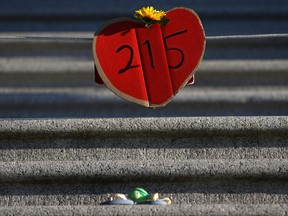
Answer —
149 13
150 16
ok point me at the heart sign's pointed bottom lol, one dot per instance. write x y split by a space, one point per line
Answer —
149 66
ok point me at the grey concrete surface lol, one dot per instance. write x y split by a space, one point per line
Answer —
99 102
30 73
54 7
245 16
73 71
61 165
278 209
133 149
206 165
228 49
237 77
143 127
193 192
153 170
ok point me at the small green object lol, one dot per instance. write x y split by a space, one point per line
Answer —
139 195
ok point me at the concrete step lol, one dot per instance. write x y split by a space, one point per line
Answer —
221 209
206 165
99 102
56 79
69 71
74 7
219 17
220 163
129 139
196 192
248 49
143 170
154 126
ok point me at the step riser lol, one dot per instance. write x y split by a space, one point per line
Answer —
85 78
278 209
63 72
153 170
194 192
229 50
122 109
133 149
20 129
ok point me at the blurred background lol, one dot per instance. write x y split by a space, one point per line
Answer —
55 79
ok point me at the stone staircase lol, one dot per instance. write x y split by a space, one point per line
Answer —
218 165
62 86
66 144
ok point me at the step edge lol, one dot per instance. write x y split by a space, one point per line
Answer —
143 127
186 209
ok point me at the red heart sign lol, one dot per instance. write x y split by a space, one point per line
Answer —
149 66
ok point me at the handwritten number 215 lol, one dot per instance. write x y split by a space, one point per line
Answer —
147 43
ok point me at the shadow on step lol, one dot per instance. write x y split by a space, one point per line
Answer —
204 192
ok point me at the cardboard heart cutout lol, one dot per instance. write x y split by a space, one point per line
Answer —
149 66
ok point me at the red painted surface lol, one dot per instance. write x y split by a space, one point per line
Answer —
154 64
149 66
184 35
116 46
